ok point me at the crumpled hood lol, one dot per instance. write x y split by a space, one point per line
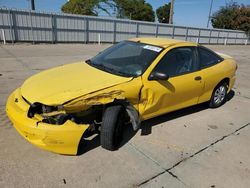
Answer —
59 85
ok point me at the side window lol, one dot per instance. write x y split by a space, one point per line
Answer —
178 61
207 58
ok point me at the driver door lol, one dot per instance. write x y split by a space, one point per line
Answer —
182 89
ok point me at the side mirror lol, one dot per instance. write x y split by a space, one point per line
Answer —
156 75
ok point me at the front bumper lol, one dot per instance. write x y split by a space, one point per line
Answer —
63 139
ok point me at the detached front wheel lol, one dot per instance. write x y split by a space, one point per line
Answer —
219 96
112 127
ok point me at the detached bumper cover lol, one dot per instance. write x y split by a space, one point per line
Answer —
63 139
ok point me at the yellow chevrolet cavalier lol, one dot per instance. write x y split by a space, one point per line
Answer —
133 80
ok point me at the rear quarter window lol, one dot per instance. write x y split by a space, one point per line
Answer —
207 57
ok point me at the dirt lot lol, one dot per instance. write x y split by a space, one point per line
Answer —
194 147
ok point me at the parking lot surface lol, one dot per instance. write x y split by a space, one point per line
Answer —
193 147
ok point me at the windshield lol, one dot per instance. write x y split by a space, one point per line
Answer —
129 59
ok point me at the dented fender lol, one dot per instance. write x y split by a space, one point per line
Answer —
100 98
128 92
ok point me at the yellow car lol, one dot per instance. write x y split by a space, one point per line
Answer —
131 81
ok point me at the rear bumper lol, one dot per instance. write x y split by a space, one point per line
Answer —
63 139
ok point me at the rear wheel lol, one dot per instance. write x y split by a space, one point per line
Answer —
112 127
219 95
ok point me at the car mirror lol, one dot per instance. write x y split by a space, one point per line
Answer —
156 75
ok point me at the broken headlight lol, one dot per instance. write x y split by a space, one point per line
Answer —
38 108
51 114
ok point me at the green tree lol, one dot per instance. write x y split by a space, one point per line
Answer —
86 7
135 10
163 13
232 16
132 9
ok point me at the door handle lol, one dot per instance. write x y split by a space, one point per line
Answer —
197 78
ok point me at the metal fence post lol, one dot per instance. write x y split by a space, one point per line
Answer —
225 43
86 30
235 42
247 37
199 34
11 27
186 36
173 31
3 35
157 30
129 28
114 39
210 34
16 36
2 30
137 29
218 36
53 28
31 27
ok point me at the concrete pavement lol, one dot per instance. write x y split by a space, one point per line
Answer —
193 147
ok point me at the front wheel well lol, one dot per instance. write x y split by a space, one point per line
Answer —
132 115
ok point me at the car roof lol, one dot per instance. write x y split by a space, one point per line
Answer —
162 42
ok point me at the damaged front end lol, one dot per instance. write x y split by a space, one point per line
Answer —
59 128
84 110
58 115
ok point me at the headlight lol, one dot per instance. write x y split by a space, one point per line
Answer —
38 108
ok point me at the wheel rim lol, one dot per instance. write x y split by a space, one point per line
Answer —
219 95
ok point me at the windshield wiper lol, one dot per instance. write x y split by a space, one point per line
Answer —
120 73
99 66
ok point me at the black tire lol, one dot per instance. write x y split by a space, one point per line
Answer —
219 99
112 127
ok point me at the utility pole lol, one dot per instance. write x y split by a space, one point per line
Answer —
32 4
210 10
171 15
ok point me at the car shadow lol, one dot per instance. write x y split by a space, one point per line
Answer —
88 145
146 126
